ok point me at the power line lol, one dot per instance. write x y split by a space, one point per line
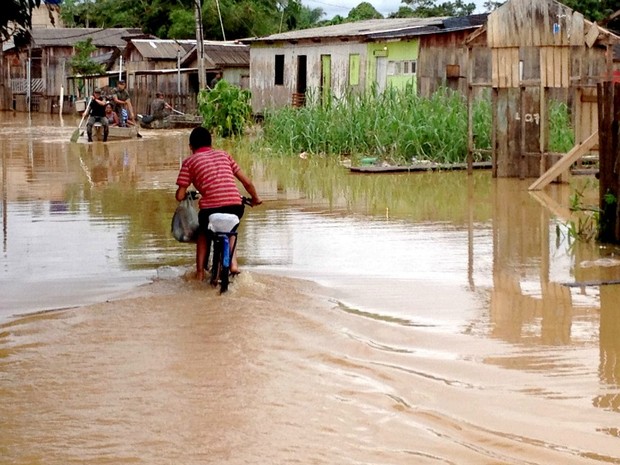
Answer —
333 5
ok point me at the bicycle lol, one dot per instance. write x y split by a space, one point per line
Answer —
221 229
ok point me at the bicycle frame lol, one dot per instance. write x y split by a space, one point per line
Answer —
222 227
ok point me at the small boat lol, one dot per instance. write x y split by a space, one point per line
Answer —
172 122
416 167
115 132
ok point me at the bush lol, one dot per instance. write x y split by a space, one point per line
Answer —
225 110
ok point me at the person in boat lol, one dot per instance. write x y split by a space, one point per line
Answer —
96 114
122 101
215 80
111 115
159 108
213 173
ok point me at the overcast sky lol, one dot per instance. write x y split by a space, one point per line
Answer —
385 7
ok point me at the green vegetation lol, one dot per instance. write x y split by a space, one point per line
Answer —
225 110
397 126
584 227
431 9
81 62
16 17
561 137
174 19
588 223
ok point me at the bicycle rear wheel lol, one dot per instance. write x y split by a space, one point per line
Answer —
216 264
224 264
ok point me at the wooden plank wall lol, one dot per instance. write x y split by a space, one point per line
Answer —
585 113
505 67
554 66
539 51
535 23
437 52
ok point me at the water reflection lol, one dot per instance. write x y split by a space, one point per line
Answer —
609 367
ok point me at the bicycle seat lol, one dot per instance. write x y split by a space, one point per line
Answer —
223 222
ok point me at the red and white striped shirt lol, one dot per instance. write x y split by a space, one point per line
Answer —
212 172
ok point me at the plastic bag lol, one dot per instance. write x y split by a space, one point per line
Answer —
185 221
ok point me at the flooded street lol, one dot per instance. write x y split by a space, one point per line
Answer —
429 318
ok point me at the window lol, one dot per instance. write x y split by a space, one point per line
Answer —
410 67
279 81
354 69
402 68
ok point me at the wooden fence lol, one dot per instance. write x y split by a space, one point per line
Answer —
141 99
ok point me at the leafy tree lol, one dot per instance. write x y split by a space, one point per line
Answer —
81 62
595 10
175 18
225 109
363 11
491 5
403 12
309 17
182 24
336 20
16 17
429 8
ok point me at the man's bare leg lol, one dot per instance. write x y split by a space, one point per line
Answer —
201 253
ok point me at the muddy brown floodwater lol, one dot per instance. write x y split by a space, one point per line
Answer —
395 319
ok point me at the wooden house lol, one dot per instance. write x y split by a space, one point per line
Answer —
170 67
529 53
41 68
330 61
230 58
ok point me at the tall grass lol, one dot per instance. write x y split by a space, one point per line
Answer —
396 125
561 137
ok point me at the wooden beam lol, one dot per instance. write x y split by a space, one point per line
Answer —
565 162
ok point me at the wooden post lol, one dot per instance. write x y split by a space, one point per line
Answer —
609 173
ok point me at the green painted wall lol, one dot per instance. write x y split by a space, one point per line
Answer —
395 52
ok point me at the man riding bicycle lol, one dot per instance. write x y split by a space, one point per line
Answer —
212 172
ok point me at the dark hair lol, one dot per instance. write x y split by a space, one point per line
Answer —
200 137
121 82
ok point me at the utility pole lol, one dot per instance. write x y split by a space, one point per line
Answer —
200 46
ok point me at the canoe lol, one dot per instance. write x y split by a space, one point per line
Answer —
173 122
419 167
115 133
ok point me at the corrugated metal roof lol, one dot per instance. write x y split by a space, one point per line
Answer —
228 54
158 49
67 37
218 53
374 28
221 54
